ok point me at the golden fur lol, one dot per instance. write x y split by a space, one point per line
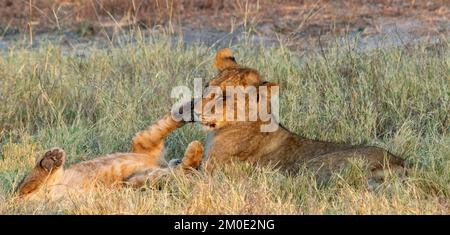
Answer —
243 140
145 163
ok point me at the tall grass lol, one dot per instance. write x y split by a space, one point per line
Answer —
92 102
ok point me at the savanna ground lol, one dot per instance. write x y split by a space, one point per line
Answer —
92 101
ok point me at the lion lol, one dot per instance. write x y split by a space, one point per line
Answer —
144 164
234 140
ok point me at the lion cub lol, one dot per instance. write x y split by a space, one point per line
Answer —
145 163
243 140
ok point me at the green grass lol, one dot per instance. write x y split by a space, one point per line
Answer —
396 98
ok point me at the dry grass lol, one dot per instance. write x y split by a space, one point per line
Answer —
397 98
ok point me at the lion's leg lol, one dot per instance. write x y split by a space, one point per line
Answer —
191 160
193 156
379 163
46 170
151 140
378 174
149 177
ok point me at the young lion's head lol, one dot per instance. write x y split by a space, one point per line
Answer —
236 95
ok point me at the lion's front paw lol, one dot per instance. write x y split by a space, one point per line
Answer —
193 155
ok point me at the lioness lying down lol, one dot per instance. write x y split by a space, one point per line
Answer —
243 140
145 164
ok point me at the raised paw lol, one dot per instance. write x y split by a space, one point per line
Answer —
193 155
53 159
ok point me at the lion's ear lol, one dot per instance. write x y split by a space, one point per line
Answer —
271 86
268 100
266 90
